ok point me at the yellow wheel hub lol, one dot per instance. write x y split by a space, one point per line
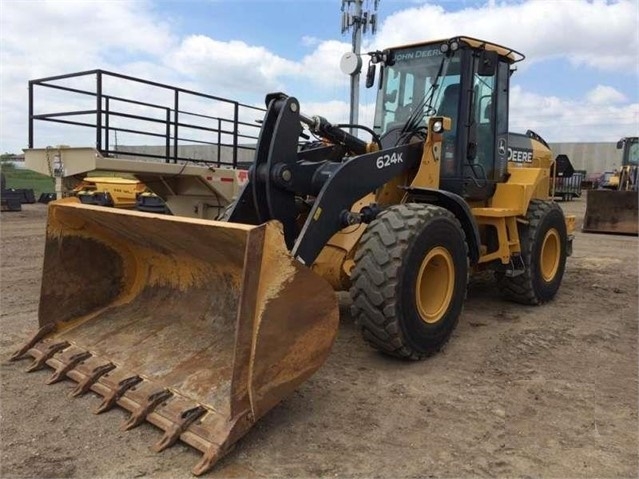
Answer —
435 284
550 254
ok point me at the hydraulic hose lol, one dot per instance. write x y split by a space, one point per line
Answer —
322 127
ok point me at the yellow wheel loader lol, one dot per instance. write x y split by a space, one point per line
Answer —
614 208
200 327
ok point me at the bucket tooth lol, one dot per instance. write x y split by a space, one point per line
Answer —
153 401
97 372
51 349
187 418
41 333
111 399
210 458
60 373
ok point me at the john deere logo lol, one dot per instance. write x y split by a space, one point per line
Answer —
502 147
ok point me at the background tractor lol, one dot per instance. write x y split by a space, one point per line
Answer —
614 206
200 327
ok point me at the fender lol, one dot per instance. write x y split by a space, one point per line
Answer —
456 205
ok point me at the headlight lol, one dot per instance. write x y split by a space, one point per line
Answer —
438 126
443 47
454 45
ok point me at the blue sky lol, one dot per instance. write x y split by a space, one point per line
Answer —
271 23
579 82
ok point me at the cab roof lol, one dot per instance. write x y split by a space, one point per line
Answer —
512 55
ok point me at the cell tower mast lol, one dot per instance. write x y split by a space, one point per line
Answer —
357 19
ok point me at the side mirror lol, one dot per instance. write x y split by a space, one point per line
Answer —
620 144
487 63
370 75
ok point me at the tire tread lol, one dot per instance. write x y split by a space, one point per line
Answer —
520 289
375 276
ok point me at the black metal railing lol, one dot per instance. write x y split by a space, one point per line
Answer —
166 124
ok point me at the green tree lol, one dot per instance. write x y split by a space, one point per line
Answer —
6 161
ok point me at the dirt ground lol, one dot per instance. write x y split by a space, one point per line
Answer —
545 391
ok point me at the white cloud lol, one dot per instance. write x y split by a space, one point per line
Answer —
237 67
230 65
71 35
585 119
322 66
601 34
602 95
309 41
47 38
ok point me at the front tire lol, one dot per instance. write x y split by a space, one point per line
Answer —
544 243
409 280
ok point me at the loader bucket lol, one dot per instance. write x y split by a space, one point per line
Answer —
198 327
610 211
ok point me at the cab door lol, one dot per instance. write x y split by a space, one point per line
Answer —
487 152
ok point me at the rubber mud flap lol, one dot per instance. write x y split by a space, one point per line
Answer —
610 211
200 327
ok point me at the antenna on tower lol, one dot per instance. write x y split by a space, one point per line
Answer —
357 20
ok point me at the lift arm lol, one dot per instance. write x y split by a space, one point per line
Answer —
280 173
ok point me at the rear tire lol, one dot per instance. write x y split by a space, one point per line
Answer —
409 280
544 243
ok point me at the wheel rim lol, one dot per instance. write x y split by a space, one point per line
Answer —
435 284
550 252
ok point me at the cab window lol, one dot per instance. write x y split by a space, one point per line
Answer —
412 82
483 111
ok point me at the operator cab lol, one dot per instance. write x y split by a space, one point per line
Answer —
630 147
461 78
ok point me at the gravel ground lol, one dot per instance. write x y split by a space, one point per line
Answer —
545 391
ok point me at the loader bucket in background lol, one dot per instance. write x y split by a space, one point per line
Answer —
611 211
198 327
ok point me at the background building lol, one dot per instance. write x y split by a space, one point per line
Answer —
592 157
